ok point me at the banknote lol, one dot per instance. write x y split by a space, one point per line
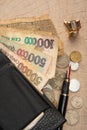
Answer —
38 60
36 78
42 23
47 44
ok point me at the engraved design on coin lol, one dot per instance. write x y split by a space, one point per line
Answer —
57 81
74 66
74 85
72 117
63 61
75 56
77 102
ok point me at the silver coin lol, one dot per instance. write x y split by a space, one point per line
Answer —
74 66
57 81
49 93
48 86
77 102
72 117
74 85
63 61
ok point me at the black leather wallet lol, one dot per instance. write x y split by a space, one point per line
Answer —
21 103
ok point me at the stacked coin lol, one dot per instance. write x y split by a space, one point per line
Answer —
57 81
75 58
63 61
72 115
48 91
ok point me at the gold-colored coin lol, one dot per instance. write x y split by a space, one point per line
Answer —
75 56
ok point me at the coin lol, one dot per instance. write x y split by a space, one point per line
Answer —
75 56
72 117
77 102
74 85
63 61
74 65
57 81
49 93
48 86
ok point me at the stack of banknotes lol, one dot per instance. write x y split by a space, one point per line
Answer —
33 45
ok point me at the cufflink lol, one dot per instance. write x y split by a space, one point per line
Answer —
73 27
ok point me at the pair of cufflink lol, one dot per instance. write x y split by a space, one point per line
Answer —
73 27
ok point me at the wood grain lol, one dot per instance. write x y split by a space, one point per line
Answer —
59 10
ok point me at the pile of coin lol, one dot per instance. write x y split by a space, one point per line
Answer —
49 93
61 65
57 81
75 58
72 115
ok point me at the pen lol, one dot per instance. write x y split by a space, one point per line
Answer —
63 101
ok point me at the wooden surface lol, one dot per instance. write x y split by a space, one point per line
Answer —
59 10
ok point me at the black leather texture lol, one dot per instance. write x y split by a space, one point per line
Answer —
51 120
